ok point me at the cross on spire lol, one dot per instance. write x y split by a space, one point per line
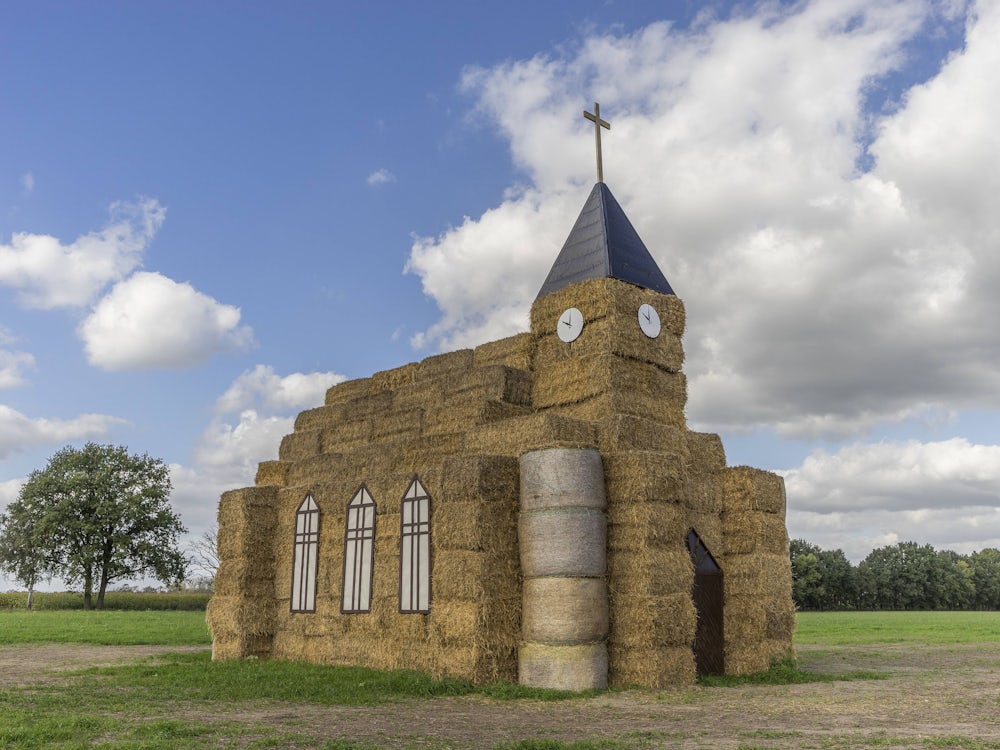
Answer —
598 124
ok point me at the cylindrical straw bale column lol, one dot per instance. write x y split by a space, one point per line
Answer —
562 535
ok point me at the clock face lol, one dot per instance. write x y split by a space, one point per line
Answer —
649 321
570 324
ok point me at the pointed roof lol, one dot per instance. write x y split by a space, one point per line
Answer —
603 243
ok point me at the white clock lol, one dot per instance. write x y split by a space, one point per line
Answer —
649 321
570 324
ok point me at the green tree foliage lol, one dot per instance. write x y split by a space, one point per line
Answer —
98 514
821 579
902 576
20 556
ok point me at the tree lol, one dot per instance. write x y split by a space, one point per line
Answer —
19 554
821 579
985 569
100 515
205 557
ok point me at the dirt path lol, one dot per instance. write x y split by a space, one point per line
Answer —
932 693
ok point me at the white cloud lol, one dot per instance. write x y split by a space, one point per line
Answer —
19 432
28 182
252 416
863 496
821 300
12 367
380 177
49 274
150 321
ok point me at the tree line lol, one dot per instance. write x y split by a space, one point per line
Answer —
904 576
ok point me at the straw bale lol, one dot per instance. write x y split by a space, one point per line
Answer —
476 575
779 614
599 408
623 432
562 478
455 621
397 425
580 378
747 658
497 411
744 619
420 394
492 382
348 391
346 436
635 525
563 542
488 478
747 532
599 298
445 365
300 445
390 380
454 419
564 610
618 334
650 667
251 509
272 473
514 351
757 574
641 620
703 493
229 616
707 453
241 647
374 405
319 468
649 571
246 573
318 418
637 476
580 667
512 437
746 488
473 525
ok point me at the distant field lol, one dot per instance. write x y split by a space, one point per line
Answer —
846 628
104 628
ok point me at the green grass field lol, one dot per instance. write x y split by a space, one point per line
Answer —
135 705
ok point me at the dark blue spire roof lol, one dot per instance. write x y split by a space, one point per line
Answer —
604 244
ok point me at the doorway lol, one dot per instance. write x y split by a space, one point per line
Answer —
707 593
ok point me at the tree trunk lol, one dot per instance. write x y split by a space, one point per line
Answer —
31 593
88 592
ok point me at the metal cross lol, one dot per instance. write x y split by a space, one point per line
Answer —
598 124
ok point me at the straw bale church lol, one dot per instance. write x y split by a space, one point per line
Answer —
532 510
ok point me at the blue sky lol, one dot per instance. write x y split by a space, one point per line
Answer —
209 212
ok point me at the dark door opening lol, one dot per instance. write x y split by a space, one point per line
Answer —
707 592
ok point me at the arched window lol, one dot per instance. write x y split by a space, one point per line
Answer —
306 557
359 553
415 550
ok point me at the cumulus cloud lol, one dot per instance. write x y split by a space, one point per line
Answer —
13 363
150 321
380 177
946 493
824 297
49 274
254 413
19 432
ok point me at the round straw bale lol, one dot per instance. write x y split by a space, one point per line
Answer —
562 477
565 610
563 542
579 667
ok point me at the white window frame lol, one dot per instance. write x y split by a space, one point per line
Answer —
415 550
305 559
359 553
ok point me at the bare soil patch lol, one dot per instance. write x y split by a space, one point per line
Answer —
932 693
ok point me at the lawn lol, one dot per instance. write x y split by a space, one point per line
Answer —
183 700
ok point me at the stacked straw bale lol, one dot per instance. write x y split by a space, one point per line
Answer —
759 614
